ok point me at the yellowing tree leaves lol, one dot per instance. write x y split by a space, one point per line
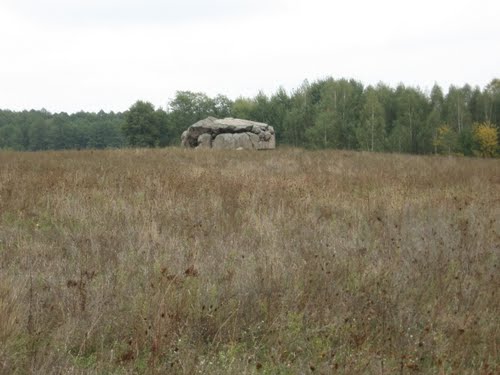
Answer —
486 136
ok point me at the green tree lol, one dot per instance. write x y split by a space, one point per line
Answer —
163 120
492 94
371 132
300 116
243 108
480 106
435 117
222 106
445 140
39 135
399 140
10 137
456 108
322 134
41 130
261 110
387 97
458 115
60 132
187 108
326 131
337 114
411 136
351 99
279 105
143 126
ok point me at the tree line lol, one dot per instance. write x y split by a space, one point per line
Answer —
328 113
41 130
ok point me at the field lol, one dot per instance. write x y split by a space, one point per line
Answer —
280 262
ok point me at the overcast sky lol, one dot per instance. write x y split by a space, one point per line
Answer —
71 55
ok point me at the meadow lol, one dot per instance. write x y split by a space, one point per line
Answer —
173 261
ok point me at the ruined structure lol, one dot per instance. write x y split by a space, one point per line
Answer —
229 133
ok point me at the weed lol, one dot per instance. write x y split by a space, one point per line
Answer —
175 261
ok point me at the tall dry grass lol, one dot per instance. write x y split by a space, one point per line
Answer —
292 262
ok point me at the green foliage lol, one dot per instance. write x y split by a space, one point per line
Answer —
243 108
189 107
145 127
399 139
492 101
40 130
337 107
299 117
222 106
466 142
327 113
371 132
457 112
446 140
279 105
322 134
411 107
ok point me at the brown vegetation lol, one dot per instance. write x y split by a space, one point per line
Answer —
209 262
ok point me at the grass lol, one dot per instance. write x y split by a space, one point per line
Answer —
279 262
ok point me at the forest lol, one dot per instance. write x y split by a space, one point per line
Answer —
325 114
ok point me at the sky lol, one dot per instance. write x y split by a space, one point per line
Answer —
91 55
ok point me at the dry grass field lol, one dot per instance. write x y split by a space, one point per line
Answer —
280 262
